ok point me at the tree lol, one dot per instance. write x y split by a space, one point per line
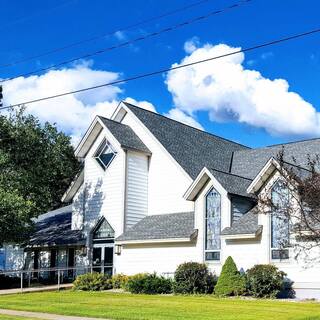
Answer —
37 165
230 281
298 202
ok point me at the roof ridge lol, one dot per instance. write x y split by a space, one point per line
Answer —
181 123
231 174
290 142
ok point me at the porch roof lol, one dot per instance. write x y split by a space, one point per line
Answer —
174 227
247 225
54 229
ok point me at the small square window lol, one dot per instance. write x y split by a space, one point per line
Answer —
104 154
278 254
213 256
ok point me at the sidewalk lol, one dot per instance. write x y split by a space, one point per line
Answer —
42 316
36 289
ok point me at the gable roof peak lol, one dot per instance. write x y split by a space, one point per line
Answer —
130 105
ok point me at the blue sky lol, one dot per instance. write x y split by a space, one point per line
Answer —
29 28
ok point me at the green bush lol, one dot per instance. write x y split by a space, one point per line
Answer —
119 281
92 282
193 278
230 281
149 284
7 282
265 281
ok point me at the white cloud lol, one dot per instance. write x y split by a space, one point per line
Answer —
191 45
120 35
72 113
177 114
142 104
229 92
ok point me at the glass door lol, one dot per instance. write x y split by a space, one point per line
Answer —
108 260
97 259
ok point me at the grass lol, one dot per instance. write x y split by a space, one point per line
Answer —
129 306
3 317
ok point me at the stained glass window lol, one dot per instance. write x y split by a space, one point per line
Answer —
104 231
279 220
213 225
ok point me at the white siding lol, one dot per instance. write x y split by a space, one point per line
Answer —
167 180
78 205
158 257
104 190
137 188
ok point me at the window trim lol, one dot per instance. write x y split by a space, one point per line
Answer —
102 146
205 251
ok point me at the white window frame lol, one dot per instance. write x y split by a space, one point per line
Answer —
97 154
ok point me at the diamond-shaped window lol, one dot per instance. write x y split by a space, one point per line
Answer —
104 154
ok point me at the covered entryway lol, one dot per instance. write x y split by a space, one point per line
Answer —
103 247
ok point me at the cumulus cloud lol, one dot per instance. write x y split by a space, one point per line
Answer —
230 92
177 114
142 104
72 113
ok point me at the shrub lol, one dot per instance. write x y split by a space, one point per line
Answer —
149 284
7 282
230 281
193 278
119 281
92 282
265 281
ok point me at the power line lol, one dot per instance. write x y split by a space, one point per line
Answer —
153 73
124 44
121 29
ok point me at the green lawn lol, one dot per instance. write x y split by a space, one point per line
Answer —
3 317
127 306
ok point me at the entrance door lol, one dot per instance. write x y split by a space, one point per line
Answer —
102 258
108 260
97 259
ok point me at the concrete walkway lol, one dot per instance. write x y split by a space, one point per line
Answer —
40 315
36 289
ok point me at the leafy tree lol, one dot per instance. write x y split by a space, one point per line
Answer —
230 281
298 203
37 164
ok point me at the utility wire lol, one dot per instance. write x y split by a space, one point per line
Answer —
153 73
124 44
103 35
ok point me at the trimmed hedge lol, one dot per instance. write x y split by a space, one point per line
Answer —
230 281
193 278
92 282
265 281
149 284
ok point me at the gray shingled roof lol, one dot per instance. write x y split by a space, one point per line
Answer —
54 229
125 135
162 226
248 163
232 183
192 148
247 224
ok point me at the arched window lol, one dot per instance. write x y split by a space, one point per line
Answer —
279 221
213 225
